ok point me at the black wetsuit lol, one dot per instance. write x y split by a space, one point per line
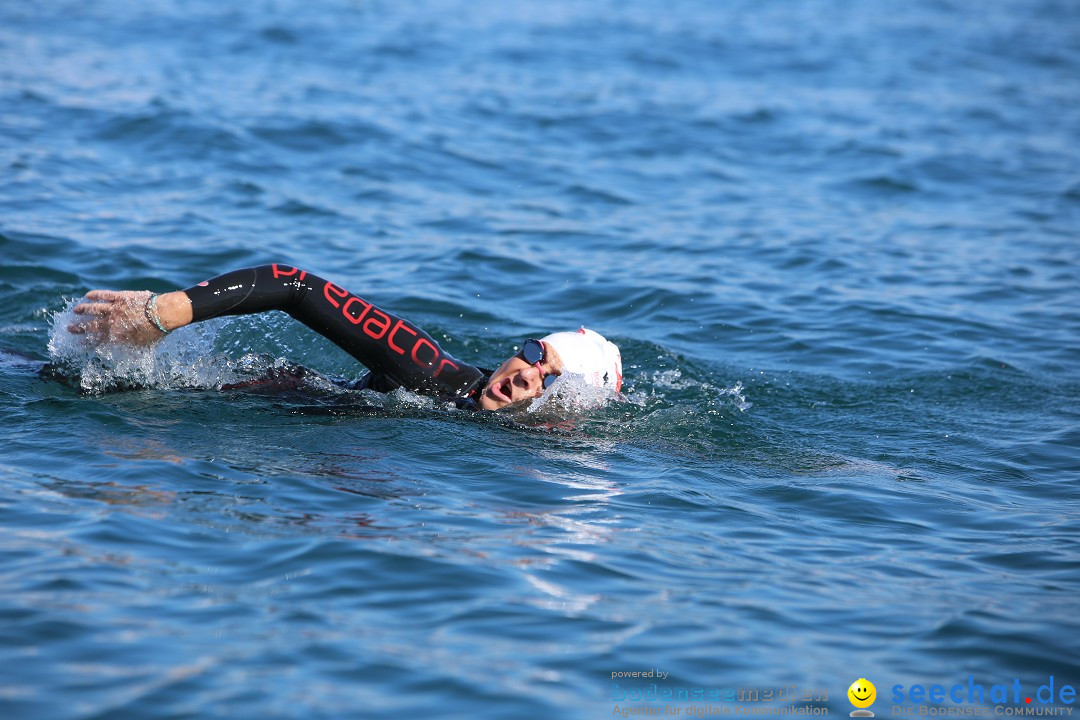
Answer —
398 353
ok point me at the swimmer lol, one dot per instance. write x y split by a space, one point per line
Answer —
396 352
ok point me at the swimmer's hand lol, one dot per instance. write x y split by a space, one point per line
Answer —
121 316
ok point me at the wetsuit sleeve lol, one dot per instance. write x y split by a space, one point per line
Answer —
383 342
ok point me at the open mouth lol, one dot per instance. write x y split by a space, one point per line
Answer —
502 389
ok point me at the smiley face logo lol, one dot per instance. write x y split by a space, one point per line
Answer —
862 694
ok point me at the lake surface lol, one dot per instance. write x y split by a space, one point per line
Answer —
838 244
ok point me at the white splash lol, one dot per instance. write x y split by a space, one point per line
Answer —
735 396
183 359
570 394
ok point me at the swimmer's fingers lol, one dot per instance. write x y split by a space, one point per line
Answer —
93 309
113 315
92 334
107 295
86 323
94 326
110 298
90 318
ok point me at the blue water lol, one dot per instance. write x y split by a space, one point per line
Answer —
837 243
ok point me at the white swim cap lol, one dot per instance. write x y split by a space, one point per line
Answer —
589 354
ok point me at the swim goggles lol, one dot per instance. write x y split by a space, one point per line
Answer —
534 352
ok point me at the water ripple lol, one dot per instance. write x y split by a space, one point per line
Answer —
835 243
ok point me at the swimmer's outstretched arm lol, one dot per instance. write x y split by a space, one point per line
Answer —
380 340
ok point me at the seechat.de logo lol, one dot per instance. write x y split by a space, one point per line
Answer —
862 694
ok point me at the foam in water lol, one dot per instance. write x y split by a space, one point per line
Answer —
736 397
570 394
673 379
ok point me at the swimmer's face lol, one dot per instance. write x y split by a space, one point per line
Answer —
516 380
